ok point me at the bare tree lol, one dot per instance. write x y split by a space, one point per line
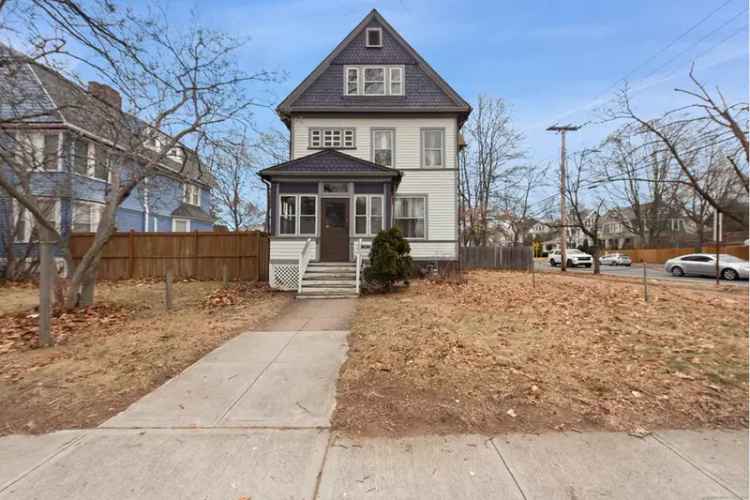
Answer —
581 194
176 86
492 144
640 181
515 200
233 170
683 132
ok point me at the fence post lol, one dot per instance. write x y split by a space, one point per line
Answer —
195 255
131 254
168 289
46 278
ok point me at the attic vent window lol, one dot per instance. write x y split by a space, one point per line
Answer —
374 37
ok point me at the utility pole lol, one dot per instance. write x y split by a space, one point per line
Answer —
562 129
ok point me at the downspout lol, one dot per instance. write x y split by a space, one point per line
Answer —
268 204
145 205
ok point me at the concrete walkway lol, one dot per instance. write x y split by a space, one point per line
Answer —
251 421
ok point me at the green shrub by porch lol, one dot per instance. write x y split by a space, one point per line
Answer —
390 261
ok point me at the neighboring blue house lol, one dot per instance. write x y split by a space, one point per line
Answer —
45 118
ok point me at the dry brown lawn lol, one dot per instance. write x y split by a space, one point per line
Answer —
495 354
109 355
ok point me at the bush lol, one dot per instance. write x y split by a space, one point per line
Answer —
389 260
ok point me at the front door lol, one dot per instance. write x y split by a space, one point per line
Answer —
334 235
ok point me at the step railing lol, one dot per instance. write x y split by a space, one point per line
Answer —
305 256
360 247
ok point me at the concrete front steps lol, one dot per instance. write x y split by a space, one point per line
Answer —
329 280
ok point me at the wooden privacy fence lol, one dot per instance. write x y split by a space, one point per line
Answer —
198 255
511 257
661 255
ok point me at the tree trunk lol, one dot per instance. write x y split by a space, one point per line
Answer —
87 289
595 254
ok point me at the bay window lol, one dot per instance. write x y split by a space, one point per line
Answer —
38 151
297 215
409 215
382 147
81 156
368 215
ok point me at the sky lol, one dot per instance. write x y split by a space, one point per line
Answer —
550 60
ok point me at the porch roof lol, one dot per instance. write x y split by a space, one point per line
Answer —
329 163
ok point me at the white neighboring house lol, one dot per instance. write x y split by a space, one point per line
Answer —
374 142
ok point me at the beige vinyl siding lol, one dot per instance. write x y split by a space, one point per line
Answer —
408 130
282 249
432 250
440 188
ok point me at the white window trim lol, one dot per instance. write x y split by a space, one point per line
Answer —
342 135
390 80
368 214
29 219
95 214
385 71
423 144
393 144
346 79
367 37
188 190
174 221
386 76
298 214
426 214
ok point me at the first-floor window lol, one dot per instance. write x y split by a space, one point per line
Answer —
27 225
180 225
409 216
368 214
86 216
297 214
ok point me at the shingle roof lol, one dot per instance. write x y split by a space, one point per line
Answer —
425 90
42 95
192 212
328 162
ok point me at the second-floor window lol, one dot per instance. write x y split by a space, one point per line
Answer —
192 195
38 151
382 147
324 138
433 146
373 80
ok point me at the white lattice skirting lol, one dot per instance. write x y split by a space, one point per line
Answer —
284 276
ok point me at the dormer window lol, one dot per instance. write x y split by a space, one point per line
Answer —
374 37
373 80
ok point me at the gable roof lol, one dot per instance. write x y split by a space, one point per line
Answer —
329 162
41 95
322 90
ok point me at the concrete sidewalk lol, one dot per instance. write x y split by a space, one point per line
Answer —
251 420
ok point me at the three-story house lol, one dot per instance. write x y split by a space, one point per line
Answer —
375 134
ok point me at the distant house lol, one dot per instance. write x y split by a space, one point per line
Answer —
46 123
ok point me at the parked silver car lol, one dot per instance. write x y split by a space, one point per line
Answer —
704 264
615 259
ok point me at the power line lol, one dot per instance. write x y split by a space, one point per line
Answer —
594 101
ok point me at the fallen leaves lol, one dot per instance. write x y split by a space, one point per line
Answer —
566 353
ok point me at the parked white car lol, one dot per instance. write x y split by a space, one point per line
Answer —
704 264
615 259
574 258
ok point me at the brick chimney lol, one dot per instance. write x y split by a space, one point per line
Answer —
106 94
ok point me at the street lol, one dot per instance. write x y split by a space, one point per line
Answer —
653 271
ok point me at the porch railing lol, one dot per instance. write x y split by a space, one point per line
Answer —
360 247
304 259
